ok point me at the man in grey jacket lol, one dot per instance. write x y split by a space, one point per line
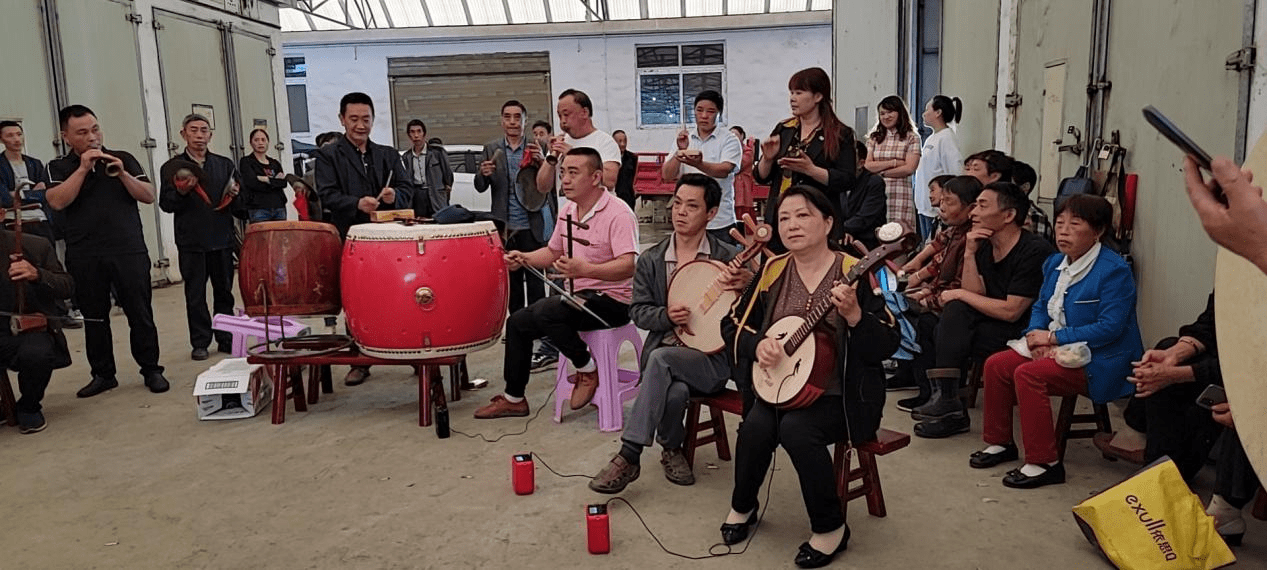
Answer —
670 370
428 169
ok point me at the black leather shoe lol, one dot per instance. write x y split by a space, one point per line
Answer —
356 376
807 557
738 532
224 348
96 386
156 382
983 460
945 427
199 354
1017 480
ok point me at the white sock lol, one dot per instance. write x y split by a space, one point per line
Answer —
1034 470
512 399
994 450
735 517
827 542
589 366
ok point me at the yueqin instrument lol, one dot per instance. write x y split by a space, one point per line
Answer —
700 285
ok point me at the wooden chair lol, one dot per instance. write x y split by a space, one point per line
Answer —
714 429
8 402
1066 419
887 441
969 392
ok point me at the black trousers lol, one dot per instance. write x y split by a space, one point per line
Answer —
129 276
965 332
1174 424
1234 477
198 267
805 435
32 355
520 279
561 322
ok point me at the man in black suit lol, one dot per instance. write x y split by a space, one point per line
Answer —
34 353
355 176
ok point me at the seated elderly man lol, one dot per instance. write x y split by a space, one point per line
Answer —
1087 299
671 370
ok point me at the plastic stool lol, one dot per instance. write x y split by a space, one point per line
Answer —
615 384
244 327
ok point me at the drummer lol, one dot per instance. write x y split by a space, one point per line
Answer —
602 272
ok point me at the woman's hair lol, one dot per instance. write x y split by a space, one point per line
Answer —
904 125
742 133
252 135
951 108
940 180
816 81
965 188
814 196
1094 210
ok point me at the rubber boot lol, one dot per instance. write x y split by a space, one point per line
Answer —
945 400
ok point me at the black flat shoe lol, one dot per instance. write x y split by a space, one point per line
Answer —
945 427
1017 480
96 386
983 460
156 382
738 532
807 557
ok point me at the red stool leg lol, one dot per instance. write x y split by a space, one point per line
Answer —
314 380
297 384
692 432
8 401
718 421
871 478
278 373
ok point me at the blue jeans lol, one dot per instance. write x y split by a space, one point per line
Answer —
267 215
926 225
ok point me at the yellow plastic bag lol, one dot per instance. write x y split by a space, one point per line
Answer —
1153 520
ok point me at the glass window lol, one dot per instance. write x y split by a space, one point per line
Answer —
296 67
297 95
669 78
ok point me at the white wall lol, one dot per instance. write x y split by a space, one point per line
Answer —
758 65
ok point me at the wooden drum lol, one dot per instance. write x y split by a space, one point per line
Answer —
290 268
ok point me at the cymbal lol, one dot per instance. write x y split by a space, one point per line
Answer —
173 167
1240 314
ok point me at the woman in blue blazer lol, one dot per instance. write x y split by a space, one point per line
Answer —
1088 296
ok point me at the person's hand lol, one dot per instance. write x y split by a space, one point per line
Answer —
184 184
487 167
234 189
770 147
388 195
683 139
737 279
88 160
1041 352
40 186
769 352
572 267
1037 338
514 260
1155 356
913 277
680 315
22 270
845 298
911 267
367 204
974 238
262 178
559 147
1151 378
534 150
800 164
1241 224
1222 413
692 160
950 295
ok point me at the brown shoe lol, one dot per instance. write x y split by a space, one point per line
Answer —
1104 442
586 386
676 469
615 476
356 376
502 408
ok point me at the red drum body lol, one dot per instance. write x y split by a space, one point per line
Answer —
424 290
290 268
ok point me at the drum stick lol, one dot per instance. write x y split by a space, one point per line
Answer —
578 303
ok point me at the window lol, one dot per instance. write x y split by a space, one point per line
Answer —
298 97
296 67
669 78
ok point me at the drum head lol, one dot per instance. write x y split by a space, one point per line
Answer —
399 232
1242 290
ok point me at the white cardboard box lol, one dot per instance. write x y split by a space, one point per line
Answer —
232 389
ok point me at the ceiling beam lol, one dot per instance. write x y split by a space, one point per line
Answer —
426 13
466 10
506 9
391 23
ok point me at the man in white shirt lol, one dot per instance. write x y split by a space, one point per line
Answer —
711 152
577 123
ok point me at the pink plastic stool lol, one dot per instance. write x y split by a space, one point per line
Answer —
244 328
615 384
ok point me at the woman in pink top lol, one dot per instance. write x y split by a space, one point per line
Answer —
744 182
893 153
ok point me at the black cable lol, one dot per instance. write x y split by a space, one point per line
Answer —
551 469
547 401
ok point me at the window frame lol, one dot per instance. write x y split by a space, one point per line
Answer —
680 71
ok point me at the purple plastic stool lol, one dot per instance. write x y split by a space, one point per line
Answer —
615 384
243 328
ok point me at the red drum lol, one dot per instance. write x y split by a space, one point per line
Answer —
290 268
424 290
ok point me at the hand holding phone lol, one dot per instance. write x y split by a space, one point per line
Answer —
1213 394
1185 143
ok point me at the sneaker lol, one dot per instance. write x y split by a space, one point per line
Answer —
74 320
676 469
617 475
199 354
31 423
909 404
500 407
586 387
542 361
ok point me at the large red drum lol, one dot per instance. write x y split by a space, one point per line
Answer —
424 290
290 268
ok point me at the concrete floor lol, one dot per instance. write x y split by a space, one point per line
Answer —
131 479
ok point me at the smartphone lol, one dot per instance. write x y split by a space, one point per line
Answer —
1172 132
1213 394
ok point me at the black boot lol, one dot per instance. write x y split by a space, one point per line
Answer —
925 394
945 427
945 401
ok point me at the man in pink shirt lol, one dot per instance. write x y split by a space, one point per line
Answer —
602 272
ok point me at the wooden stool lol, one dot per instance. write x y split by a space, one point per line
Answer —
1066 419
1260 505
975 383
8 402
713 430
886 441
